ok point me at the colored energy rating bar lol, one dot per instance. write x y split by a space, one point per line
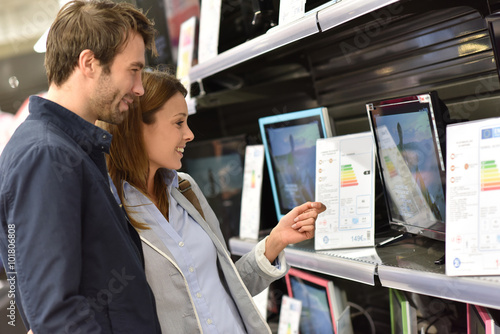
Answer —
490 177
390 167
347 176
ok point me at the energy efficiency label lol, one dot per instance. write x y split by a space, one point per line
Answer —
472 198
345 181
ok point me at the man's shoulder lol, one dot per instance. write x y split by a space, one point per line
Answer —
34 145
39 134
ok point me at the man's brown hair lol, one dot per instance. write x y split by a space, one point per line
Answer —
101 26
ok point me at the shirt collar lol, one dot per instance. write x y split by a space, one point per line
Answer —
85 134
169 176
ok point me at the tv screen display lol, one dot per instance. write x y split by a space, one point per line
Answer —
493 22
316 295
290 147
217 167
409 135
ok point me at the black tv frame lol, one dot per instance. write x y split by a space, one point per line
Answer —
438 128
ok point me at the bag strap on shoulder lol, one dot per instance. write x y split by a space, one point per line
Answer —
187 191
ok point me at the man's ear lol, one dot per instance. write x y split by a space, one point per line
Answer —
88 64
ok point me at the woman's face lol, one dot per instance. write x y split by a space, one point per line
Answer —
166 138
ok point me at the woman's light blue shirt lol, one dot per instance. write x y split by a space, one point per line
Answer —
194 254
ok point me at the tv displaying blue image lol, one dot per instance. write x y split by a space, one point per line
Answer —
315 316
290 147
217 175
293 148
325 307
217 167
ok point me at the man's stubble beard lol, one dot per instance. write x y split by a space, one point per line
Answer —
106 102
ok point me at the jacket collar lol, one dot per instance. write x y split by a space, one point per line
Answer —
186 204
85 134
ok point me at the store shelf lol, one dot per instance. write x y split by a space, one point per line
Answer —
273 39
348 10
410 266
333 14
357 269
407 265
475 290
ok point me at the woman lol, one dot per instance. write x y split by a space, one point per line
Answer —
196 285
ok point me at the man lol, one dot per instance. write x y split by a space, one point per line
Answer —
70 255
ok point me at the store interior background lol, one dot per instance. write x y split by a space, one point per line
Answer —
424 45
22 23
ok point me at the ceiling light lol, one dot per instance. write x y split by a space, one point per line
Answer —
41 45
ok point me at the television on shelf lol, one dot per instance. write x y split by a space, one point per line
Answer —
480 321
324 305
409 135
217 167
403 313
290 147
493 22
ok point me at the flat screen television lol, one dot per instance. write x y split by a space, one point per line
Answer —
403 313
316 295
493 22
324 305
409 135
480 321
217 167
290 148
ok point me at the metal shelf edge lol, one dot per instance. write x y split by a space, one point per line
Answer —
273 39
348 10
334 15
362 272
472 290
240 247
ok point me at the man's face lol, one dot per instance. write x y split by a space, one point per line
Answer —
116 90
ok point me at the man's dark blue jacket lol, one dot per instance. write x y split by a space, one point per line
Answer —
64 241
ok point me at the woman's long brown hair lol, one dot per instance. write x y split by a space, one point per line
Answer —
128 159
